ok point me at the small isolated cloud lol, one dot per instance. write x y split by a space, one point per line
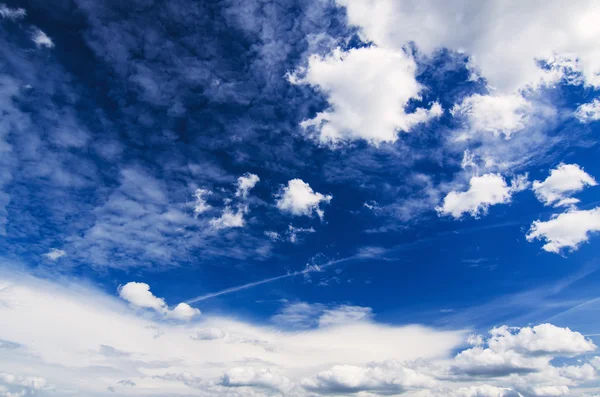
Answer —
298 198
139 296
484 191
245 183
364 105
229 218
126 382
588 112
55 254
500 115
12 13
41 39
293 232
201 205
567 230
563 181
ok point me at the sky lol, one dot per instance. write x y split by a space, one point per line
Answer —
301 198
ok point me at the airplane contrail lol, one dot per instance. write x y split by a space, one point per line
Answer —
309 269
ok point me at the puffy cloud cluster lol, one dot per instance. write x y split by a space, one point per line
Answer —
588 112
298 198
124 353
484 191
140 296
564 180
567 230
367 90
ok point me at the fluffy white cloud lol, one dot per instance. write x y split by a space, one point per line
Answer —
524 350
139 295
367 90
567 230
254 359
201 205
298 198
12 13
229 218
563 181
55 254
387 378
41 39
183 311
480 391
245 183
484 191
500 115
588 112
18 386
505 49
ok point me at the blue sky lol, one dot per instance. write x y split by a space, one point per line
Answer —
299 198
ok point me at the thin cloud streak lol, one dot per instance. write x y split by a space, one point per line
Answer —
309 269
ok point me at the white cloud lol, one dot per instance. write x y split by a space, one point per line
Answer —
567 230
293 232
588 112
12 13
174 363
18 386
229 219
500 115
55 254
563 181
345 314
41 39
245 183
386 378
504 49
140 296
298 198
484 191
209 334
201 205
523 350
183 311
367 90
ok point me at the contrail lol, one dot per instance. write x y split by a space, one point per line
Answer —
308 269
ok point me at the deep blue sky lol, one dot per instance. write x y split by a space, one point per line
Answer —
109 129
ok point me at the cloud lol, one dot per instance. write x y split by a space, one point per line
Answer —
245 183
298 198
262 378
209 334
307 315
382 378
55 254
505 51
567 230
41 39
588 112
140 296
563 181
484 191
201 205
522 350
364 105
229 219
12 13
500 115
17 386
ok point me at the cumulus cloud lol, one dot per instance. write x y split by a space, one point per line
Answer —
229 218
564 180
12 385
245 183
484 191
588 112
201 205
55 254
298 198
505 51
139 295
500 115
521 350
385 378
41 39
367 90
262 378
567 230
